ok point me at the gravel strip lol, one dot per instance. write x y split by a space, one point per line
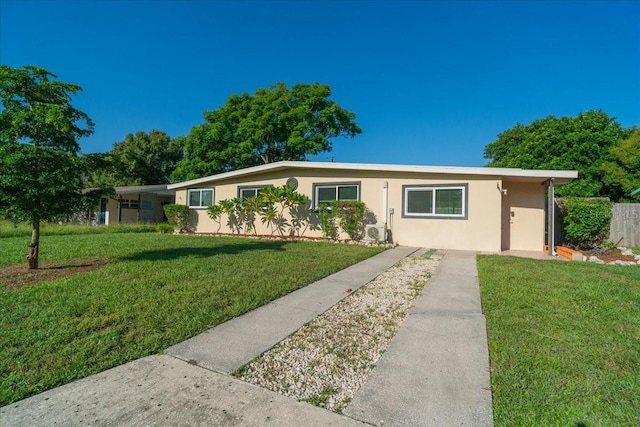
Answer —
327 360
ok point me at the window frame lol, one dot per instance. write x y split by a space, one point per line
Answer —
250 187
129 203
435 188
336 185
200 190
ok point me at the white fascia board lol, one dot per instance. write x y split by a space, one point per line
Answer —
235 173
154 189
448 170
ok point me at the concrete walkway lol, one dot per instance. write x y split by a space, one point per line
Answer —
434 373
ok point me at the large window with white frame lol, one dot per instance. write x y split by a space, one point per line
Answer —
200 198
326 193
435 201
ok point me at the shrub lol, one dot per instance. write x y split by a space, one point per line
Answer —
586 221
350 217
165 228
326 222
178 216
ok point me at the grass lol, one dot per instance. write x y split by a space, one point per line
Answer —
10 229
564 341
157 291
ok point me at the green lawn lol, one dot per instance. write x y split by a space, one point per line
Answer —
23 229
564 341
157 291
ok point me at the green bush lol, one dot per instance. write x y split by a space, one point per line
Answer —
165 228
178 216
350 217
326 222
586 221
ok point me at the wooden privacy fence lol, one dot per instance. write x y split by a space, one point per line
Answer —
625 224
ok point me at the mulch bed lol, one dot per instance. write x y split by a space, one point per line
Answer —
18 276
611 256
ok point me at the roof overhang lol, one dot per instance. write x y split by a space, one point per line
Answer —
148 189
512 174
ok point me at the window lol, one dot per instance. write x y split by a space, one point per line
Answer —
246 192
201 198
129 203
327 193
437 201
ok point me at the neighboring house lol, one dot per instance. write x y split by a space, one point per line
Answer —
472 208
136 205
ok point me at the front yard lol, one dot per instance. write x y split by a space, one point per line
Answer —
149 291
564 341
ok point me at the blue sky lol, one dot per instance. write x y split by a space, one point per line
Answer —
431 82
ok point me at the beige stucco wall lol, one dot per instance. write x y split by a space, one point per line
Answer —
523 216
480 231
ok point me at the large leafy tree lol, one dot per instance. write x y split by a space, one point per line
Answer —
140 159
622 169
277 123
41 172
579 143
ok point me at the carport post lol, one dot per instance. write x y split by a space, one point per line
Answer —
551 220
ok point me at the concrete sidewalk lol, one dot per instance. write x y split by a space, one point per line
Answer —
435 373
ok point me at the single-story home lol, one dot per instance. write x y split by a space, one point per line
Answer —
140 204
472 208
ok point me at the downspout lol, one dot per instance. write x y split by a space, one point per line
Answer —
385 191
552 219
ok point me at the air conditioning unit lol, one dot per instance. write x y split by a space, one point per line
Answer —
375 232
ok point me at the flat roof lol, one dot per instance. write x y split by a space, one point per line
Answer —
559 176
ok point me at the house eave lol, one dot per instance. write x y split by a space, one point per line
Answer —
560 176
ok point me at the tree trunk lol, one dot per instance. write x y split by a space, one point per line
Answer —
32 258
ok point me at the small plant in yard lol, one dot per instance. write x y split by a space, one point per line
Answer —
215 213
350 217
322 398
284 197
178 216
269 205
586 221
165 228
326 222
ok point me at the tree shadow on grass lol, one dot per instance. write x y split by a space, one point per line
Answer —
205 252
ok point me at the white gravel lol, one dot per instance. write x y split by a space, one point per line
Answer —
327 360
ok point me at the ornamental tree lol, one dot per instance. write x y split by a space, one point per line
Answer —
277 123
42 174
